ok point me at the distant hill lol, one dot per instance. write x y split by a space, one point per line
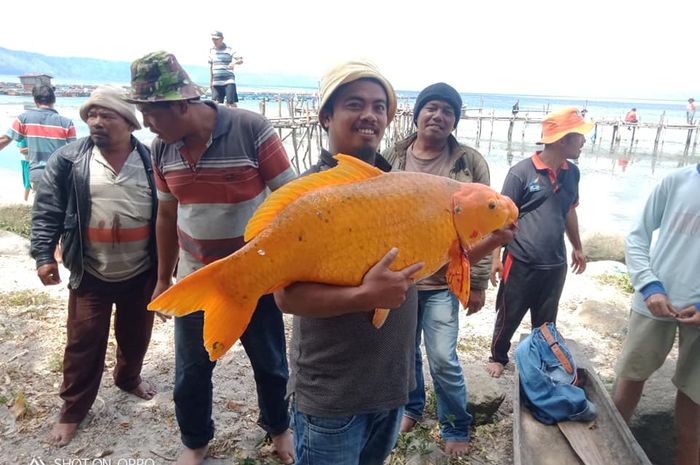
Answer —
93 71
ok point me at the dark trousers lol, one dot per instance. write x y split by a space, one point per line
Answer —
264 343
89 315
523 288
228 90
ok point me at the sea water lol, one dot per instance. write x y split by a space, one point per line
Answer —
614 183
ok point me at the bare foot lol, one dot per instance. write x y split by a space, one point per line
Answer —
495 369
284 446
62 433
407 424
457 448
192 456
145 390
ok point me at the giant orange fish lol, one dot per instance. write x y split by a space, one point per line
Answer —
332 227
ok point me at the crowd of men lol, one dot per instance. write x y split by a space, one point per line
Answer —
131 218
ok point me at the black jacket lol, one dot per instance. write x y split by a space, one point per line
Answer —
62 206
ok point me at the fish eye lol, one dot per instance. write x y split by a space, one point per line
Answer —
492 205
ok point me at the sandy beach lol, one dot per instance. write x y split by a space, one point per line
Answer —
121 427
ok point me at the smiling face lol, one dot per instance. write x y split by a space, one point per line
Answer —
357 117
435 121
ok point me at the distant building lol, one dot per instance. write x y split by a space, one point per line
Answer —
30 80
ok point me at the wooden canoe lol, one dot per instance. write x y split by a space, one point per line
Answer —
605 441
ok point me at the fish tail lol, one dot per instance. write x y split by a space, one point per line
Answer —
228 304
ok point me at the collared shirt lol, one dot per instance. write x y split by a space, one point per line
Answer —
544 198
116 246
219 194
220 59
45 132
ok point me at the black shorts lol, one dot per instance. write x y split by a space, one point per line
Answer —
227 90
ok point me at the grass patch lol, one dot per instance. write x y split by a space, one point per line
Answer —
16 219
620 281
24 298
56 362
418 442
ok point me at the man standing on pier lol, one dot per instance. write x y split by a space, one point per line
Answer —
44 130
213 166
533 269
222 61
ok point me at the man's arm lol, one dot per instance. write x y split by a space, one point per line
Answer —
380 288
4 140
638 258
49 218
166 243
578 260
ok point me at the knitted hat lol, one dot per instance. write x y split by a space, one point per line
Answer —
158 77
111 97
438 91
352 71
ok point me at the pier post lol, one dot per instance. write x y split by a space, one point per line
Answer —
614 136
510 130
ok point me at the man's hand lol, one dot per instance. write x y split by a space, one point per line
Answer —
477 298
689 316
659 305
578 261
506 234
496 271
48 274
162 286
384 288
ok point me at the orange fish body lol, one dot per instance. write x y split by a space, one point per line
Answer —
332 227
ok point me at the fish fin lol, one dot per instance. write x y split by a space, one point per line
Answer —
348 171
226 314
459 273
379 317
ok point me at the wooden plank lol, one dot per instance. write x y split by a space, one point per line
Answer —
582 441
607 440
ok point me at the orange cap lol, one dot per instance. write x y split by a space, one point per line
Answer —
560 123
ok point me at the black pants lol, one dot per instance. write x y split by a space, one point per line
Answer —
227 90
523 288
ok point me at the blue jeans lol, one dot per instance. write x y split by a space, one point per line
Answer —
264 343
351 440
438 320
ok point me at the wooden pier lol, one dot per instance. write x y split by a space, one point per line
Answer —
296 120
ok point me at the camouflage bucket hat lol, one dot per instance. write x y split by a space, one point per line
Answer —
158 77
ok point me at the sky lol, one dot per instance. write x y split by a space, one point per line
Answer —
596 48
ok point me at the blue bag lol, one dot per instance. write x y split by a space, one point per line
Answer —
548 378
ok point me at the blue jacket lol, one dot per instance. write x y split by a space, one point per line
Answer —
546 387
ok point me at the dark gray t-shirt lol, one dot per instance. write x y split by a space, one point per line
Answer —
344 366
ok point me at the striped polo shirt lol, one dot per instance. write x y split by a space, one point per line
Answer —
45 132
220 59
244 161
116 248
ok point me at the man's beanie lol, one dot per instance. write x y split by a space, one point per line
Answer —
439 91
112 98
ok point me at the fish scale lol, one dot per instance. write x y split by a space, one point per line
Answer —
334 234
